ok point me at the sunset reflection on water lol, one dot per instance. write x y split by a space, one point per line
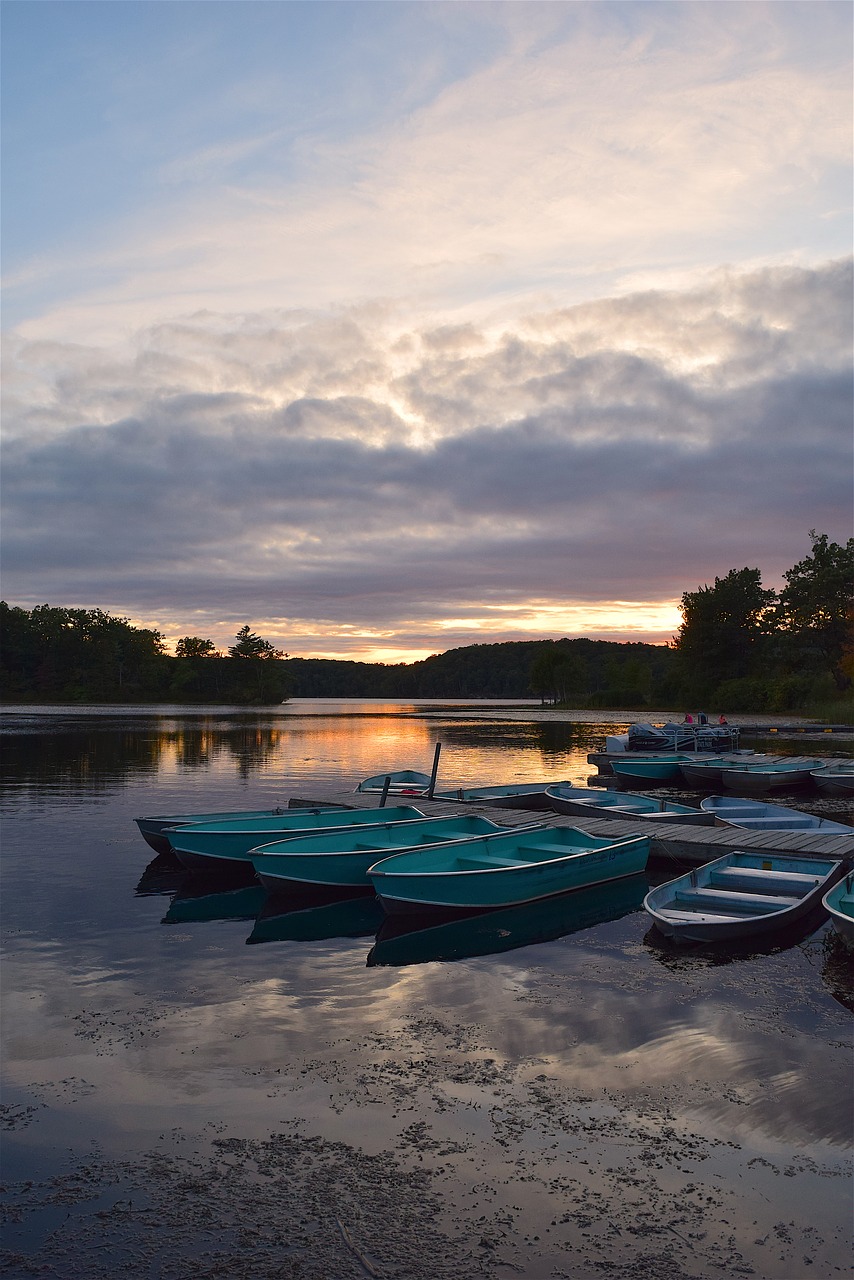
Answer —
540 1050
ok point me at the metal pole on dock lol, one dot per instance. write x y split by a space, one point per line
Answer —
386 785
435 772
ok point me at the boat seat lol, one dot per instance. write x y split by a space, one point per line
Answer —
487 862
733 901
445 836
748 876
533 853
677 916
776 824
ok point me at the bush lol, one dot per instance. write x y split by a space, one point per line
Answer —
746 694
796 693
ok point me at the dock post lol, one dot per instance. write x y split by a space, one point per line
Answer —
435 772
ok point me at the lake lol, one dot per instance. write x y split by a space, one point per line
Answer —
201 1081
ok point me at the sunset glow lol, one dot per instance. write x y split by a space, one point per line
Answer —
423 340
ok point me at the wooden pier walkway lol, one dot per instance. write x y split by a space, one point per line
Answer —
689 844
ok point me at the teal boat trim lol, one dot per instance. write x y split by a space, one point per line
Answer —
838 902
203 846
342 858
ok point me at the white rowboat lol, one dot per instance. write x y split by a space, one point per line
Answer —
741 895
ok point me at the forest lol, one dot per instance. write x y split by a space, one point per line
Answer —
740 647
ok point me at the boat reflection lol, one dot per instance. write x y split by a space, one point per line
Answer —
313 916
416 940
200 902
837 969
684 956
164 874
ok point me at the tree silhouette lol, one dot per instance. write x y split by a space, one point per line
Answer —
194 647
251 646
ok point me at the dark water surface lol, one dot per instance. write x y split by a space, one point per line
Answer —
537 1093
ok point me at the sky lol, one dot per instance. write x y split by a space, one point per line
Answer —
387 328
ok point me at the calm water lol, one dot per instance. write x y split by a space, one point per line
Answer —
535 1093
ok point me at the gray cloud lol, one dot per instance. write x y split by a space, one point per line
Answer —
623 450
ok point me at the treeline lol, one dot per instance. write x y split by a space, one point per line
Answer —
86 655
740 647
747 648
613 674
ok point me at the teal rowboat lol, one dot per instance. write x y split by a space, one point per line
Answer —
514 795
154 830
217 846
648 771
341 858
779 775
409 939
582 802
402 782
838 902
503 870
835 778
705 774
755 815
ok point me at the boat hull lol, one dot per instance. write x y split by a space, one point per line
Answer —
704 775
763 781
647 772
154 830
834 782
504 871
741 896
524 796
838 902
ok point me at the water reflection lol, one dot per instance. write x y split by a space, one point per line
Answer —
406 940
550 739
837 969
134 1035
94 759
85 753
313 917
201 903
164 874
681 956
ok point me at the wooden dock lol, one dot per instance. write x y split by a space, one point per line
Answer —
687 844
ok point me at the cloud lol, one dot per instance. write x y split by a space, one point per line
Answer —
343 473
603 142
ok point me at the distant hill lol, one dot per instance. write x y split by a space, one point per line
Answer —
606 672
